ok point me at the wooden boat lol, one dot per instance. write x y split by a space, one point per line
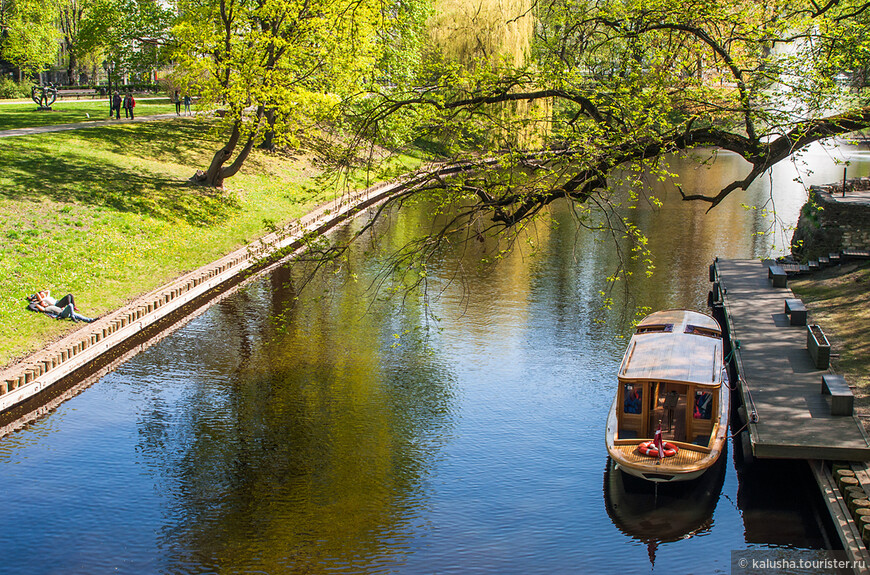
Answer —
672 379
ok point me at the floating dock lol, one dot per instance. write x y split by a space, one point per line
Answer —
781 388
786 414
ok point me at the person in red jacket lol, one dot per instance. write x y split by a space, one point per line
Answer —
129 104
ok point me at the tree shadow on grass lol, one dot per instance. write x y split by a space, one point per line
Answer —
80 177
186 142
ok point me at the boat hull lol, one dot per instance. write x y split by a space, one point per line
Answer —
658 477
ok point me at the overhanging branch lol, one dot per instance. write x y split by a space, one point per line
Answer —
767 155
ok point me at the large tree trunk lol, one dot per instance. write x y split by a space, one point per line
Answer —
267 143
70 21
71 70
216 174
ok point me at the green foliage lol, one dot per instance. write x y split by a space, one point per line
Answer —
10 89
131 36
287 56
623 83
30 39
846 45
282 66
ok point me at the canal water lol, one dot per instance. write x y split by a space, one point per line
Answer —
337 429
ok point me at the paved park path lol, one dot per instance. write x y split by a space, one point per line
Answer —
82 125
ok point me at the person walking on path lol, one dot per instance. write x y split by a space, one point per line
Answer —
177 103
187 105
129 104
116 103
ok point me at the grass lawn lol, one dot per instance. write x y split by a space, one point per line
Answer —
107 213
25 115
839 300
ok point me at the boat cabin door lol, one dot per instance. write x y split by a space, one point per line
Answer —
668 407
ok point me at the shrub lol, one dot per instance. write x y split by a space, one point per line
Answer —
9 88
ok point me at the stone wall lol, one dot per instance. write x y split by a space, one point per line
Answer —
831 223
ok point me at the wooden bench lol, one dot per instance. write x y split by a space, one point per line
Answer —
797 312
842 399
777 275
77 93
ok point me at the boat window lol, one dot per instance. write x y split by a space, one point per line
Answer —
666 328
694 329
703 405
633 398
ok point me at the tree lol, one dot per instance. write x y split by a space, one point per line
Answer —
630 82
70 17
276 65
846 36
30 38
133 36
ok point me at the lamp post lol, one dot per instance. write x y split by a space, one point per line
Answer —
107 66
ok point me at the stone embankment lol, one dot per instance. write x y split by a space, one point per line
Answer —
38 383
834 220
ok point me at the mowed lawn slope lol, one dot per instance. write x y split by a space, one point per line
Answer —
108 213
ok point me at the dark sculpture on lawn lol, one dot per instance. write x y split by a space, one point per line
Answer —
44 96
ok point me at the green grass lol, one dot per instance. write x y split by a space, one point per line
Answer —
25 115
108 213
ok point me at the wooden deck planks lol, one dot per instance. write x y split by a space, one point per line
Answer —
794 419
683 458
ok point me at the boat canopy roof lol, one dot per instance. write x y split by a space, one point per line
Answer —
677 346
680 319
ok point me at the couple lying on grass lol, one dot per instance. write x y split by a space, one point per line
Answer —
63 308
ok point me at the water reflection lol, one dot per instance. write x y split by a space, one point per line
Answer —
298 444
756 223
766 499
665 513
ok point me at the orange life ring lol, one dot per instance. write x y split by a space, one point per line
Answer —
649 449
